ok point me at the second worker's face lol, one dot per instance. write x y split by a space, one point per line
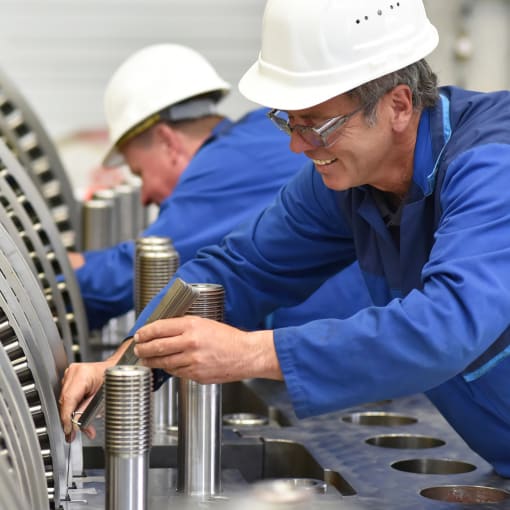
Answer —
151 159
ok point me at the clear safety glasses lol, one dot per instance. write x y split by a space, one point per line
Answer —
321 136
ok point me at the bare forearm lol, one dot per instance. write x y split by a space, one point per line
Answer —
207 351
264 362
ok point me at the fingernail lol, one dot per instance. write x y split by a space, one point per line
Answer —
67 430
136 338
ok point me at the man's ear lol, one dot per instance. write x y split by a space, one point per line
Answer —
401 103
167 136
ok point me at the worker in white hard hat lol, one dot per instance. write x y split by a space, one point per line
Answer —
410 180
205 172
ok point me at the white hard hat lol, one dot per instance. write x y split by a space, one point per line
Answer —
313 50
151 80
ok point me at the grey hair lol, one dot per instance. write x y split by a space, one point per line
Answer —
419 77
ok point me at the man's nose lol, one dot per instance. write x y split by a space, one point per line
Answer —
297 144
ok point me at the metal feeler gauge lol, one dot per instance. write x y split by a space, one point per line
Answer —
179 297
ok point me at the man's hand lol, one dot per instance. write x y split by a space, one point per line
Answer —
79 384
207 351
76 259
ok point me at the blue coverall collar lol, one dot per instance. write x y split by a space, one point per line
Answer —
434 131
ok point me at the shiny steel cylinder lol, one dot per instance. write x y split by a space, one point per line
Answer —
129 211
200 421
98 224
166 406
127 436
110 195
156 261
140 212
96 240
117 327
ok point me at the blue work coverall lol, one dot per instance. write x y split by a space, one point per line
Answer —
441 314
235 173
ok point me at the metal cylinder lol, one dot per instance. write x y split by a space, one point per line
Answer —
110 195
118 327
139 210
200 423
98 224
166 406
127 436
108 335
129 211
156 261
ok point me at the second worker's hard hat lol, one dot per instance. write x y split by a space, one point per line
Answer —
151 80
313 50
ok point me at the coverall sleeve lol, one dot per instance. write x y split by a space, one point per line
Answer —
106 281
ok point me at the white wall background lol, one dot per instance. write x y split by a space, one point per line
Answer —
474 48
61 53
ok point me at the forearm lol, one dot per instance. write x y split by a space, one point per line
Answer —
261 360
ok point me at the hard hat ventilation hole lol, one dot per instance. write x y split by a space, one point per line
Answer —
379 13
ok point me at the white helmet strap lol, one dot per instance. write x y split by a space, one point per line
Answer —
189 110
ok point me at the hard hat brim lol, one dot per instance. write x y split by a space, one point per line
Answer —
113 158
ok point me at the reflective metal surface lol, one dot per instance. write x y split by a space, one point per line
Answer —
29 222
19 436
405 441
127 436
244 420
98 224
10 487
130 211
199 414
32 346
156 261
468 495
428 466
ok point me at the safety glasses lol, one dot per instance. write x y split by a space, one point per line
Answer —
321 136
